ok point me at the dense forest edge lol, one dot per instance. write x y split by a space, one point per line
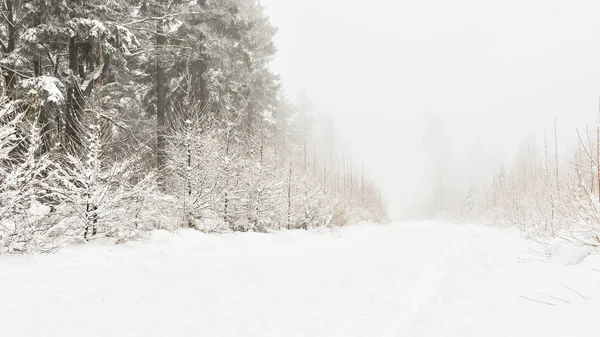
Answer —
120 117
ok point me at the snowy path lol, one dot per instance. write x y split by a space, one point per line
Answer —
421 279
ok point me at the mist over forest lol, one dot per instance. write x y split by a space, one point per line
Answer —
269 168
459 89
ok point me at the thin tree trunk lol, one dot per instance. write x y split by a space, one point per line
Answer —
325 190
205 106
344 175
546 156
598 159
362 177
556 154
74 117
592 174
161 106
227 174
305 154
10 76
289 211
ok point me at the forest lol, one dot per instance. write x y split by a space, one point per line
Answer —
120 117
291 168
549 188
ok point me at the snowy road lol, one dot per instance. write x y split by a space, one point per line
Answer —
420 279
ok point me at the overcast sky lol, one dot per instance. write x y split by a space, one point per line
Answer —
489 70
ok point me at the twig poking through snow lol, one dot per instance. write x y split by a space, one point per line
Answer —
584 297
556 298
542 302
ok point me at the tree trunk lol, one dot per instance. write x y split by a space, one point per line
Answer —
74 117
45 118
598 158
250 118
205 106
556 154
11 77
289 210
161 106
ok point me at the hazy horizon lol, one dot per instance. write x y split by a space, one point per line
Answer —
490 72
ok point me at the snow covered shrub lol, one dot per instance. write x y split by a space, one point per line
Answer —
99 197
313 208
193 171
25 191
468 202
263 189
231 166
580 215
339 216
159 211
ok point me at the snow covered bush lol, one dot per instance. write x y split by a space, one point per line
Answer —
262 188
193 171
311 207
101 198
25 192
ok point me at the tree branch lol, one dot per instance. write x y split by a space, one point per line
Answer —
14 71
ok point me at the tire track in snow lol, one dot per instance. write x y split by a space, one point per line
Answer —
447 247
426 286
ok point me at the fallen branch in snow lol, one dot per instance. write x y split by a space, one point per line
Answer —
556 298
584 297
542 302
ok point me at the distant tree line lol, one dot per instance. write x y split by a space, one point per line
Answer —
547 190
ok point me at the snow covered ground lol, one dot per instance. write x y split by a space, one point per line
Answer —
417 279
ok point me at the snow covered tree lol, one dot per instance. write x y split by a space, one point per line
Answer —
264 188
100 197
192 172
469 201
26 197
89 34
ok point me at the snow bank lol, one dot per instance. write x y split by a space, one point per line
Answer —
417 279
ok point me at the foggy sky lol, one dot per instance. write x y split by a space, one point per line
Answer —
489 71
